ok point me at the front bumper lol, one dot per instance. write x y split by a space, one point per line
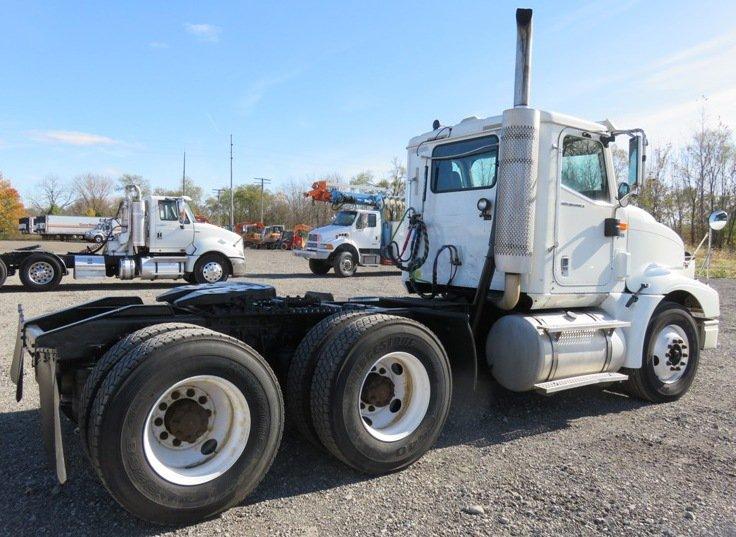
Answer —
313 254
238 264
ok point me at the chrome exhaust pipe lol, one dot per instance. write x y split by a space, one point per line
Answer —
522 82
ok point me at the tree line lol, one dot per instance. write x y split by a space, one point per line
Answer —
683 186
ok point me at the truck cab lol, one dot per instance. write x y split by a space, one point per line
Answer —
352 239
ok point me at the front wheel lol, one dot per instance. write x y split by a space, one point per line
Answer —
186 425
345 264
40 272
3 272
671 356
211 268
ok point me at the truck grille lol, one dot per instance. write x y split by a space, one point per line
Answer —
312 237
312 245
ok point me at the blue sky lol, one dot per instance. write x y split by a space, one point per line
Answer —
308 89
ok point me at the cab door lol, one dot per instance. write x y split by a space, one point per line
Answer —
368 231
173 229
460 173
583 254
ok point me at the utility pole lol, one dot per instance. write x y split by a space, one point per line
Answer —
262 181
184 176
219 192
232 194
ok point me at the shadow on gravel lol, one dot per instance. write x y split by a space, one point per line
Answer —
117 285
310 276
33 503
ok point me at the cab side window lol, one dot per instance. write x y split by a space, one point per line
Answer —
465 165
371 220
584 167
167 211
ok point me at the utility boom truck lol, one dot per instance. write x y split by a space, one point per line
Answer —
526 259
151 238
357 235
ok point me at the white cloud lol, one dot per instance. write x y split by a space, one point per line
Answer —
72 138
204 32
158 44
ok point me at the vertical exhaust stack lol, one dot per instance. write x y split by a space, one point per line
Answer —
522 82
517 178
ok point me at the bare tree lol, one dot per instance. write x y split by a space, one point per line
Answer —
52 196
94 194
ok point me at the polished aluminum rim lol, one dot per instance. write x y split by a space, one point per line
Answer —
41 272
196 430
212 271
671 353
394 396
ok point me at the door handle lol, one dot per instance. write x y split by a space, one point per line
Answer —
159 235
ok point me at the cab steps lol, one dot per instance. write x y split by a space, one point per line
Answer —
554 386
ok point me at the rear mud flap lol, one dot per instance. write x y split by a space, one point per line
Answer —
50 417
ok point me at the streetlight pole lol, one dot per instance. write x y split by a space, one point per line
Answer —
232 194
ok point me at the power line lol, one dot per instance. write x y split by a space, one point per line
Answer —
261 181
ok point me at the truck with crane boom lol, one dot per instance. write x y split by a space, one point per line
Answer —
523 257
358 234
151 238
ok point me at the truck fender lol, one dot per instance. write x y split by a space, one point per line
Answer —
663 281
347 247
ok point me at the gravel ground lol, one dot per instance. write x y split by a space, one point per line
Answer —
581 462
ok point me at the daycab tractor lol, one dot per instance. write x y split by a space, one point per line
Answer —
151 238
357 235
524 258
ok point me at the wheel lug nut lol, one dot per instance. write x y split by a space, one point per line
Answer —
176 442
162 406
202 399
190 393
175 395
158 422
164 435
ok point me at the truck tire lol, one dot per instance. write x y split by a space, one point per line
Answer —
319 267
211 268
99 239
345 264
186 426
671 356
3 272
381 392
301 371
40 272
113 355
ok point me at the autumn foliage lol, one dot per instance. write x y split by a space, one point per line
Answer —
11 207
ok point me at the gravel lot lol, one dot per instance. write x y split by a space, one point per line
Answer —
581 462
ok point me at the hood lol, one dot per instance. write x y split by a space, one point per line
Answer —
329 232
211 229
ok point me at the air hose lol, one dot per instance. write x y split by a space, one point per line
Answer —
415 250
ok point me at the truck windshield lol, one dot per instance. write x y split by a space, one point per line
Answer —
345 218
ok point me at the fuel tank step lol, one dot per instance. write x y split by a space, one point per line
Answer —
554 386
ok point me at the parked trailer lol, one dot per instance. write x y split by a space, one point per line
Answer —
26 225
65 227
526 259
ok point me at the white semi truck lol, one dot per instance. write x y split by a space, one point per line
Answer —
151 238
528 262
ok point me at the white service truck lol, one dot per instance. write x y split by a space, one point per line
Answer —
151 238
527 260
358 234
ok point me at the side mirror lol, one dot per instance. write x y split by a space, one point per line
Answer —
718 220
624 189
637 158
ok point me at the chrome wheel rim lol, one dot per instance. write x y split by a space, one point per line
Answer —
41 272
212 271
346 264
196 430
670 354
394 396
